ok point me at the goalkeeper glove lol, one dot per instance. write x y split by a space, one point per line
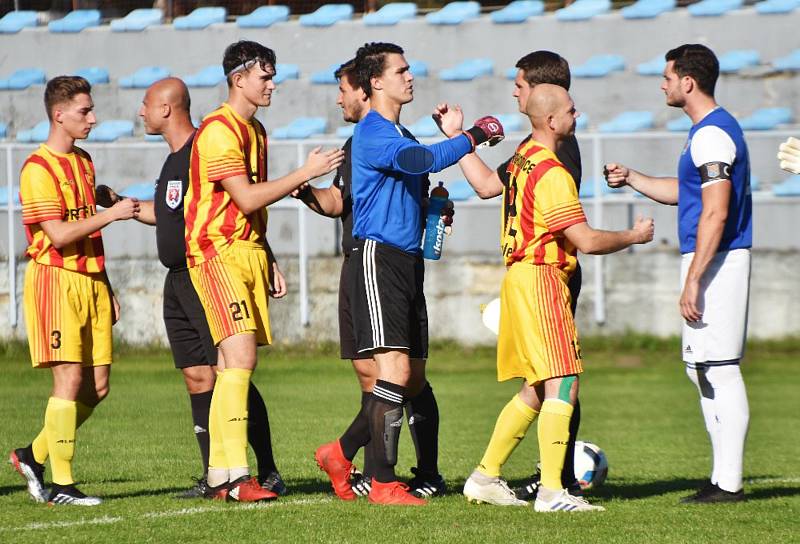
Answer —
789 155
487 130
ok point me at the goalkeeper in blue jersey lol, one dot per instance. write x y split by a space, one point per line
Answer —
390 318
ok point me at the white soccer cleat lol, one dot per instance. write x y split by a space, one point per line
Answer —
482 489
562 501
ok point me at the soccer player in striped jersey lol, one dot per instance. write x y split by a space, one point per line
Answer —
543 227
226 221
715 230
69 305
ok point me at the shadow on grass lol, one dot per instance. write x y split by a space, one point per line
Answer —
9 489
308 486
150 492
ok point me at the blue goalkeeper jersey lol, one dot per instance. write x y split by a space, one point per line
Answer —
389 168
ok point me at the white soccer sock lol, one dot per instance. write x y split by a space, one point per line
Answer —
707 407
733 414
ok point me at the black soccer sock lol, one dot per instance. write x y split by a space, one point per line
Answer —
258 433
423 422
385 421
201 405
357 434
568 472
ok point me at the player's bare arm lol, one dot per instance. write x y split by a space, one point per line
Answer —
251 197
327 201
662 190
62 233
600 242
107 197
277 282
710 227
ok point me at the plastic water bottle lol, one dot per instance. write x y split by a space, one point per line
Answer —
434 224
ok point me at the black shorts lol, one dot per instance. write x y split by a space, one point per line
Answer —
387 299
187 329
347 336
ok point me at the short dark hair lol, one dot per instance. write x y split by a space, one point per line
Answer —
243 54
371 61
346 69
698 62
63 89
545 67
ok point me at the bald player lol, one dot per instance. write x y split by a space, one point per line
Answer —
543 227
165 111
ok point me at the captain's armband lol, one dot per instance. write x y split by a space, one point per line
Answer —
712 172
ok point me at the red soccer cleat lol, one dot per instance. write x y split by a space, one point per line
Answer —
393 493
247 489
330 458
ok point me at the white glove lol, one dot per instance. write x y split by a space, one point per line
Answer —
789 155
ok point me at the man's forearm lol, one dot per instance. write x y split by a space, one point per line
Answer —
709 234
62 233
480 176
323 201
663 190
147 213
602 242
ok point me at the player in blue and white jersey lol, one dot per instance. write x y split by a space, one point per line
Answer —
715 230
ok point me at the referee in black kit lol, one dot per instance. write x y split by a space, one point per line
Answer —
165 111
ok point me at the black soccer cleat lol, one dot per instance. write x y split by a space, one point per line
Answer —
712 493
273 482
197 491
69 494
361 483
527 491
427 484
23 462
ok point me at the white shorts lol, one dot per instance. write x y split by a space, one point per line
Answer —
720 334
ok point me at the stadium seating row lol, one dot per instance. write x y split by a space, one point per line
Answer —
596 66
453 13
306 127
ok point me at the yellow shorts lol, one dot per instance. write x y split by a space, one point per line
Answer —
68 316
537 339
234 290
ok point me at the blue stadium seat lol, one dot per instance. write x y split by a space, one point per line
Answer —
581 10
789 187
75 21
582 123
777 7
652 67
137 20
755 183
454 13
512 122
210 76
94 75
766 119
714 8
345 131
23 78
518 11
141 191
468 70
648 9
14 21
111 130
733 61
200 18
419 69
325 77
599 66
628 121
3 130
143 77
424 127
36 134
789 63
680 124
286 71
391 14
328 15
4 195
301 128
460 190
264 17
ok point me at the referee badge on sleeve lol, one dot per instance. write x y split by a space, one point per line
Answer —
174 193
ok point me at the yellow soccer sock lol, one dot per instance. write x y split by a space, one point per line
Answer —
60 423
39 444
510 429
553 438
233 387
217 462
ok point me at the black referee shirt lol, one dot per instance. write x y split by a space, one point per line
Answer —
171 187
568 153
343 180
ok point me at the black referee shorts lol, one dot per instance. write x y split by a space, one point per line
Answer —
347 336
387 299
187 329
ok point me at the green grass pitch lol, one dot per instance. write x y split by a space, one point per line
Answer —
138 450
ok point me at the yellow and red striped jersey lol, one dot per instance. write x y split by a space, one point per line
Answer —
226 145
539 202
60 186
